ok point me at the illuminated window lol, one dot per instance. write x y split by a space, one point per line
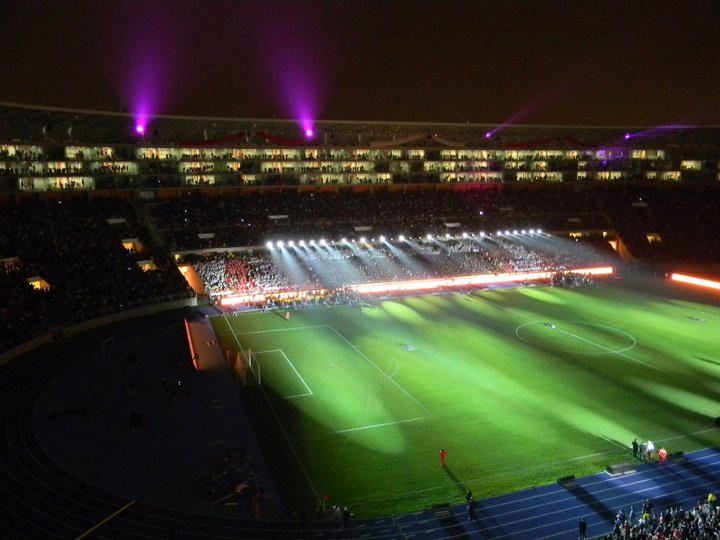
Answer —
38 283
653 238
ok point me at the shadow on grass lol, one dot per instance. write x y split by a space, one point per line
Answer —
707 360
475 515
456 480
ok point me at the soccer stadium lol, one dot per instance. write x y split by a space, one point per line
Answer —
248 328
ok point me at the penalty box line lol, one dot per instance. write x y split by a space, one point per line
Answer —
290 329
292 366
352 345
358 351
361 428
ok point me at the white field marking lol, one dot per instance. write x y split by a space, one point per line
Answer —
596 454
654 486
282 428
361 354
530 498
361 428
292 447
234 335
282 329
389 357
295 396
408 394
382 424
591 342
515 503
309 390
597 325
612 351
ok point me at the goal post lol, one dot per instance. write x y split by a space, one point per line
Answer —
254 369
245 365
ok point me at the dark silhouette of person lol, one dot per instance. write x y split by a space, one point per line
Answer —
635 447
582 529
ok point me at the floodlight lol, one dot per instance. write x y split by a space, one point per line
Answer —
139 129
499 233
322 242
429 236
312 242
344 241
448 235
269 244
291 243
482 233
382 238
515 231
302 243
507 233
401 238
523 231
532 231
465 235
363 240
280 244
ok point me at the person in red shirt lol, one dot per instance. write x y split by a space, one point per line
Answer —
443 457
662 454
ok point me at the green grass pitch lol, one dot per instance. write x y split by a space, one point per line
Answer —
520 386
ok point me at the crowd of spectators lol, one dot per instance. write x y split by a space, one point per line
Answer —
337 267
69 243
71 246
251 219
667 224
701 522
659 223
571 280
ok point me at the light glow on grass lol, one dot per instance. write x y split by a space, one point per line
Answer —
370 433
677 397
707 283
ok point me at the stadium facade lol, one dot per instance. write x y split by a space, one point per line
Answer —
45 150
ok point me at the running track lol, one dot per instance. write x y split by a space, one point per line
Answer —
40 499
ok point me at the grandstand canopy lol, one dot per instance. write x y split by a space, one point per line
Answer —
24 123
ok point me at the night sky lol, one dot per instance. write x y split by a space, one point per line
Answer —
578 62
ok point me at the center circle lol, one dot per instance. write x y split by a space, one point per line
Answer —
575 337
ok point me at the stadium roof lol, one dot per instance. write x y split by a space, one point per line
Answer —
34 124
